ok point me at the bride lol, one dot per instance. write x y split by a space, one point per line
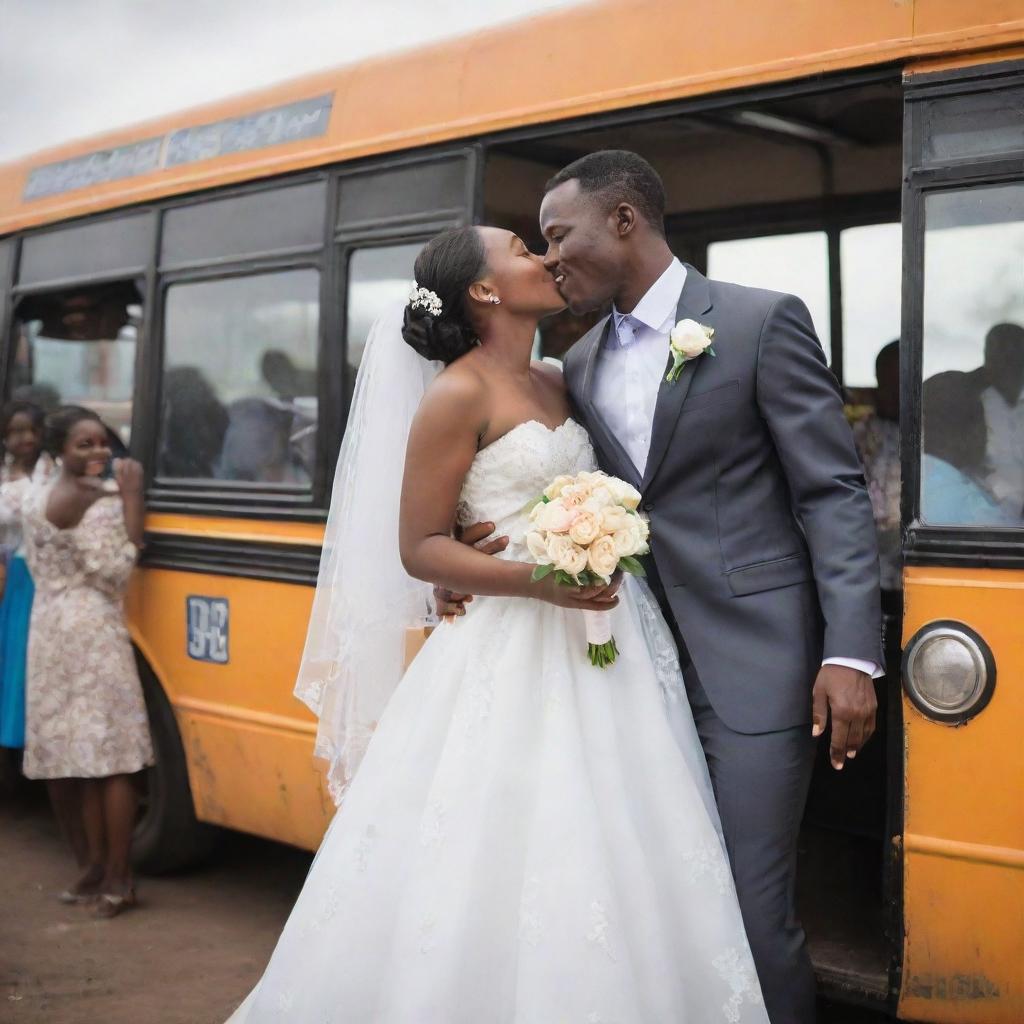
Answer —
529 839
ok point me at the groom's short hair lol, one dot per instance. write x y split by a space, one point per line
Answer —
618 176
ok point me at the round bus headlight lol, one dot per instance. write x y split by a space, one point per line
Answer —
948 672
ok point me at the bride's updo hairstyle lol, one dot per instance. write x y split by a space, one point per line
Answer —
447 266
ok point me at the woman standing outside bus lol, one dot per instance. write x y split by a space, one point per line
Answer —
21 435
86 727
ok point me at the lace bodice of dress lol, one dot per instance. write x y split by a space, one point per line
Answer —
508 475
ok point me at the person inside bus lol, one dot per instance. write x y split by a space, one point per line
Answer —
1000 382
877 437
284 378
257 443
296 388
195 423
21 435
955 471
86 728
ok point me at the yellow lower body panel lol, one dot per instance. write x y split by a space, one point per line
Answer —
255 778
963 899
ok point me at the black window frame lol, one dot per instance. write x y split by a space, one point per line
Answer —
170 493
831 216
137 274
236 499
388 231
338 243
925 544
8 275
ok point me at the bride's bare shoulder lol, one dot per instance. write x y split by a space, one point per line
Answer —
458 393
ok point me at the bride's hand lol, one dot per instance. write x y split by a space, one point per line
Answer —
598 598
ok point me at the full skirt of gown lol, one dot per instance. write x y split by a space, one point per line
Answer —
529 840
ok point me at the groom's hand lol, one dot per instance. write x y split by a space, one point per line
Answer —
447 603
600 592
849 696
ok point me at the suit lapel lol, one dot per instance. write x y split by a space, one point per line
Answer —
616 456
694 302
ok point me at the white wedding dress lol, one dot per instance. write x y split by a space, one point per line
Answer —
530 839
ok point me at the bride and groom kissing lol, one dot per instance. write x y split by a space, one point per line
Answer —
530 838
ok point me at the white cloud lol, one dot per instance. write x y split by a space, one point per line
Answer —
70 69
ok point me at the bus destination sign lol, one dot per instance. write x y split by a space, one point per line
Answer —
305 119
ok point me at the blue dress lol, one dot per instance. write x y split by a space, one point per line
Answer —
949 497
15 611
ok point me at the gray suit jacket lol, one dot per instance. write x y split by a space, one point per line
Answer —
762 537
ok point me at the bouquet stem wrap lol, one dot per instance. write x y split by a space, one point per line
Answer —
582 530
600 643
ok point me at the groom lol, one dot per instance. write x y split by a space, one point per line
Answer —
763 545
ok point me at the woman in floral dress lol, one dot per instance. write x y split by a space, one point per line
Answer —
86 730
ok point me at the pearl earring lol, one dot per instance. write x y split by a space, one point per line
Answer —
496 300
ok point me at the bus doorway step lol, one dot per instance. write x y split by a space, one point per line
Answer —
840 903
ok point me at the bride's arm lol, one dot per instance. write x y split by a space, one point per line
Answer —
442 445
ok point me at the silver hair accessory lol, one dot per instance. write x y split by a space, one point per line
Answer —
424 298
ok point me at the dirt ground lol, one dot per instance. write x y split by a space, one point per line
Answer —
187 955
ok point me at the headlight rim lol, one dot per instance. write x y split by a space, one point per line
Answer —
961 631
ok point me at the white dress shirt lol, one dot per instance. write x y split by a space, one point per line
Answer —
632 362
629 369
1004 424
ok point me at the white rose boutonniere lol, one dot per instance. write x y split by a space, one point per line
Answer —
688 340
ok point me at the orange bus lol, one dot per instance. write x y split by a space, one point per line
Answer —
206 280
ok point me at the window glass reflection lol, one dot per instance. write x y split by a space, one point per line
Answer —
797 264
240 379
870 268
78 348
972 470
377 277
870 259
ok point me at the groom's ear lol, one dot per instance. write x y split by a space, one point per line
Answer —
625 217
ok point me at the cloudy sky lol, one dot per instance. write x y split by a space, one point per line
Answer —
70 68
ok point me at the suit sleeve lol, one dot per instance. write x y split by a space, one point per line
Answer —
800 401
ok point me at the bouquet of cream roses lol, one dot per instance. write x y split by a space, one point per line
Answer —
584 528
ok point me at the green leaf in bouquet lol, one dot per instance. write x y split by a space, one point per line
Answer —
541 571
632 565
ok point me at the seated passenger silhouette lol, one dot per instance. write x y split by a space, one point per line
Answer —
954 467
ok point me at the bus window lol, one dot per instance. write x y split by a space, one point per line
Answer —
240 379
870 261
794 263
377 276
266 221
77 347
972 461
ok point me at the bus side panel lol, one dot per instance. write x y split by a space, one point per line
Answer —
248 741
255 778
963 958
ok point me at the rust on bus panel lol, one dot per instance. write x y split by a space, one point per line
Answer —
953 987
